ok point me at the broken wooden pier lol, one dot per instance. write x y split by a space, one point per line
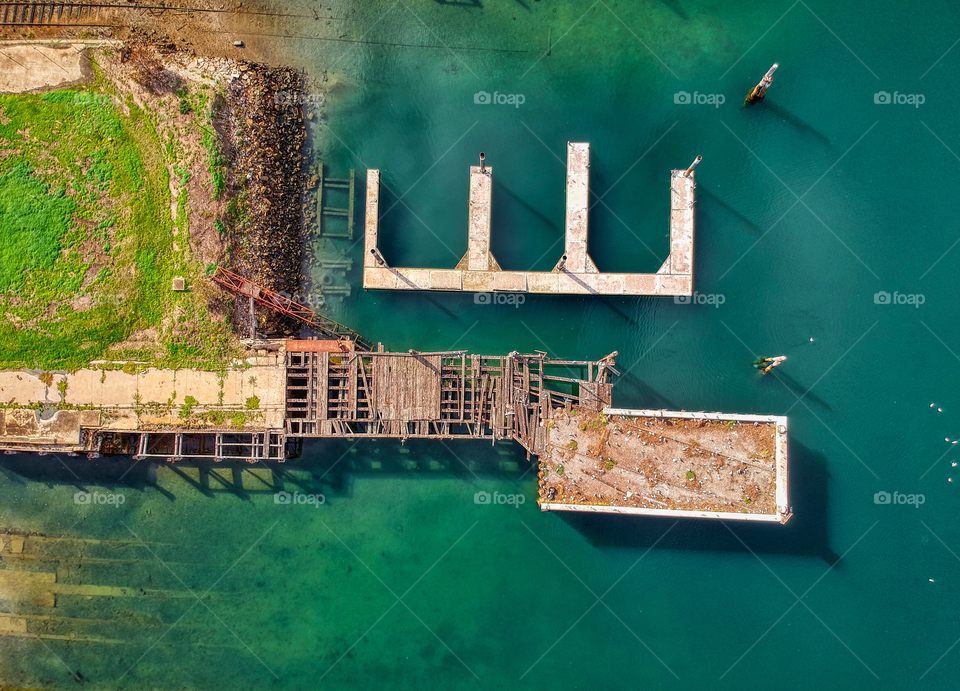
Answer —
315 390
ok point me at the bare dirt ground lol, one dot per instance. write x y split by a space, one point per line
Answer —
654 463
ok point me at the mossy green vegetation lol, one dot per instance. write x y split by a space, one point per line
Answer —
89 246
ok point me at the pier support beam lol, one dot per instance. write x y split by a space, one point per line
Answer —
478 257
575 273
371 223
576 225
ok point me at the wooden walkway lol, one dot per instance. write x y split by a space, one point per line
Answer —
322 392
575 273
437 395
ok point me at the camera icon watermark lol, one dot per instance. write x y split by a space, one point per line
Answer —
482 98
512 299
288 499
715 299
484 498
296 98
90 99
885 298
914 500
886 98
114 499
685 98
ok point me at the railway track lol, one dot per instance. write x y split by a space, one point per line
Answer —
88 13
38 14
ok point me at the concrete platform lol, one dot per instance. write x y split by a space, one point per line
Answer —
661 463
575 272
113 399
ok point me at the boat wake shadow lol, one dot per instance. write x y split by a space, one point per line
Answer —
805 535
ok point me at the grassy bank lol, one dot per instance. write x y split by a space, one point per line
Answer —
89 244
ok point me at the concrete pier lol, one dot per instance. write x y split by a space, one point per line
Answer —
663 463
478 257
574 273
575 227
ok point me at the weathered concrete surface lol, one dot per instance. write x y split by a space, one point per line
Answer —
371 223
481 196
478 271
138 400
578 207
30 67
663 463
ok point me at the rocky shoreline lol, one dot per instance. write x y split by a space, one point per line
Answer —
268 164
263 133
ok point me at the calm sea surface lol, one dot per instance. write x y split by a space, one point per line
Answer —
808 206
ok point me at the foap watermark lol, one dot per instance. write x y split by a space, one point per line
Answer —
882 98
885 298
313 300
296 98
685 98
289 499
715 299
482 98
897 498
114 499
88 98
513 299
484 498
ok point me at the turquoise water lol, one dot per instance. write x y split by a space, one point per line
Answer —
504 597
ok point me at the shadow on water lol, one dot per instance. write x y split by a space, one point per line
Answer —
331 466
797 123
806 534
613 307
729 209
500 188
674 7
800 390
436 303
327 466
640 396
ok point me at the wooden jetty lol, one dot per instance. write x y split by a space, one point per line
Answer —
575 272
443 395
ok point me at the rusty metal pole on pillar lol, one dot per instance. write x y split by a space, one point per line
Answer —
483 166
774 362
757 93
693 165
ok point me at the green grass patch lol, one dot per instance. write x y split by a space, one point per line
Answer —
34 222
87 254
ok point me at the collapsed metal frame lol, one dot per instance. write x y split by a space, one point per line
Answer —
264 296
217 445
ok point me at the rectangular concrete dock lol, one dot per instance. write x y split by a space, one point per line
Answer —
575 271
662 463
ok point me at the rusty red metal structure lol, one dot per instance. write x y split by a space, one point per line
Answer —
263 296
